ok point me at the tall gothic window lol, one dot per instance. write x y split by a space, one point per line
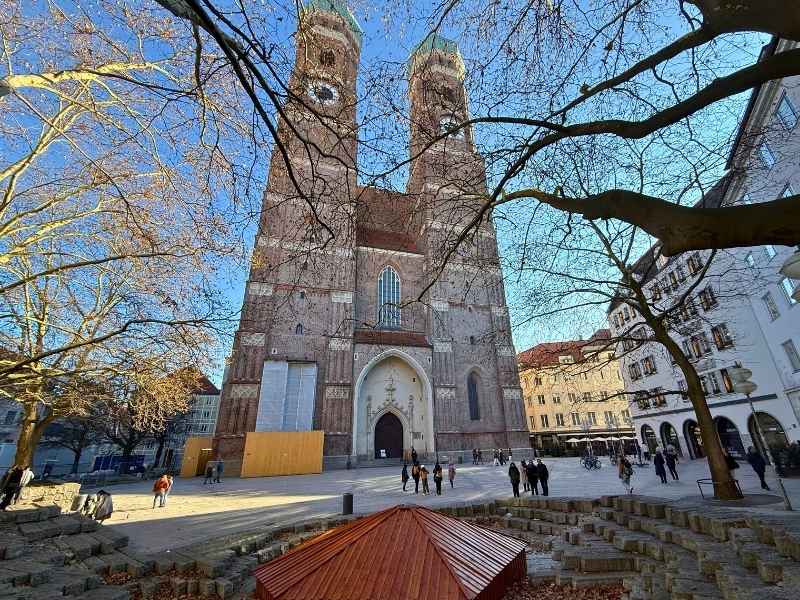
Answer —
389 299
472 397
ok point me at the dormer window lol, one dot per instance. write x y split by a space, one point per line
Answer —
449 125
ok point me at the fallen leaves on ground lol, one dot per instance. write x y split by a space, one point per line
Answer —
551 591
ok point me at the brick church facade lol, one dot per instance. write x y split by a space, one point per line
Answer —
353 322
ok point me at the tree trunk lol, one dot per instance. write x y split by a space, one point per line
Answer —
724 486
77 459
30 432
159 450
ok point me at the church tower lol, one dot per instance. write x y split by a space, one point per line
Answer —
291 366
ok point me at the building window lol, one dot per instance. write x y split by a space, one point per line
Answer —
708 299
533 422
472 340
751 262
625 414
694 264
787 113
540 398
572 398
767 155
544 420
11 417
472 397
389 299
591 418
769 250
787 191
772 308
576 419
722 337
530 402
587 396
673 280
609 417
634 371
712 379
791 353
559 419
604 395
787 285
658 396
726 380
556 399
656 291
682 388
649 365
642 401
537 381
298 330
699 344
681 273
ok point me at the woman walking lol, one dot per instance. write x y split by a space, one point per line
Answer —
523 475
759 465
451 473
437 478
513 475
404 476
415 473
658 462
533 477
672 461
423 474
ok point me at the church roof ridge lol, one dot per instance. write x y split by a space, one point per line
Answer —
339 8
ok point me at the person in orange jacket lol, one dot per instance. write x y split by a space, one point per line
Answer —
160 488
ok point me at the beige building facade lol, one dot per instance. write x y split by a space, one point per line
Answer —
573 390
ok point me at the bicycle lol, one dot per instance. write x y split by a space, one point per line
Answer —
590 462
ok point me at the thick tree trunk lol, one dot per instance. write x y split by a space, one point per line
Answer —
159 450
77 460
724 486
30 432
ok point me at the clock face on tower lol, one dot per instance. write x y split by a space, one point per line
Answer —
323 93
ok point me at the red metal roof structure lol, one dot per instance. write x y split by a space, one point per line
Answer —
406 552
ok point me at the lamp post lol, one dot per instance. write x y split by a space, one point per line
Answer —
743 385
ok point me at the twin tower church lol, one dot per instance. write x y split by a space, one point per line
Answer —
353 322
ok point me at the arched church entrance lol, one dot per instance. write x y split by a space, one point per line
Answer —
388 437
392 408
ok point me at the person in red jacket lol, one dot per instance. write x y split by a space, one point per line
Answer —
160 488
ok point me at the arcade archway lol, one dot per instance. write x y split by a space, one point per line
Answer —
694 441
729 436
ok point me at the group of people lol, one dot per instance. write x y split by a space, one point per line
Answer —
531 474
419 473
213 473
13 482
668 459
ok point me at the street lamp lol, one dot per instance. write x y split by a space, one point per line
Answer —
742 384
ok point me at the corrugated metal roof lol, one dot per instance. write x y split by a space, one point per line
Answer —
405 552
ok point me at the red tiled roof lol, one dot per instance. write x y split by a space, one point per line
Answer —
386 337
402 553
547 354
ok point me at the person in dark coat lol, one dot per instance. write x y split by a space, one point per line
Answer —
415 473
11 482
759 465
502 458
533 476
513 475
672 460
544 475
730 461
404 476
209 478
474 456
437 478
413 456
423 474
658 462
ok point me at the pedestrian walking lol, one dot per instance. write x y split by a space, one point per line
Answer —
209 478
218 468
759 465
496 459
160 488
415 474
404 476
423 475
544 475
658 463
625 473
533 477
523 475
413 456
672 461
27 477
730 461
502 458
451 473
513 475
437 478
474 456
10 484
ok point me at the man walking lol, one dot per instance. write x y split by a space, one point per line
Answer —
474 456
672 461
160 488
451 473
658 463
437 478
404 476
533 477
544 475
218 468
759 465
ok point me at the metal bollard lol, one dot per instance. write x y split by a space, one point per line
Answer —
347 504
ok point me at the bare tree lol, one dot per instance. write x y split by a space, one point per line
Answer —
74 434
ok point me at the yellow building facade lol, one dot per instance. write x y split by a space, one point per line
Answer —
573 390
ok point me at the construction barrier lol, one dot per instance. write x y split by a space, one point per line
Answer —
282 453
196 453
